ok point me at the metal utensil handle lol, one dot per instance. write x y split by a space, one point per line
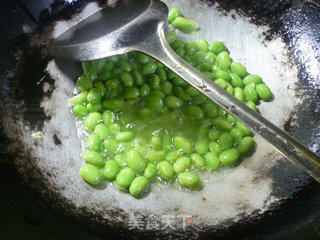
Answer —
158 47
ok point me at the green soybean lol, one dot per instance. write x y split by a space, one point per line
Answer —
202 44
217 47
191 48
212 161
131 93
144 90
148 68
92 120
223 75
171 37
167 87
121 160
224 61
245 145
84 83
135 161
183 144
173 102
90 174
249 79
185 25
251 94
111 169
215 147
263 91
94 95
222 124
127 79
125 178
238 69
202 146
81 98
151 171
181 164
239 94
209 109
94 143
93 158
229 157
198 161
153 102
214 134
80 110
188 179
226 140
113 103
194 111
165 170
108 117
236 134
110 145
125 136
94 107
172 156
252 105
244 129
138 185
236 80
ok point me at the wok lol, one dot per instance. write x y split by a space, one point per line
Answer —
278 40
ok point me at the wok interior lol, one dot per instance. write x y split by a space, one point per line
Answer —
229 195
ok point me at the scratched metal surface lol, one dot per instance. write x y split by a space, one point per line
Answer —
259 184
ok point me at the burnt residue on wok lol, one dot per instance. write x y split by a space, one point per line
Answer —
296 22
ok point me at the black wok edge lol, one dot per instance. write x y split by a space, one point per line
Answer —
297 22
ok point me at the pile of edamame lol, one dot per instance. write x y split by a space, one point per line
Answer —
147 123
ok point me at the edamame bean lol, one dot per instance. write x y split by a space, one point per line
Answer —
165 170
215 147
229 157
111 169
94 107
185 25
181 164
188 179
158 93
144 90
126 79
214 134
183 144
110 145
244 129
239 94
143 58
223 75
224 61
180 93
204 66
93 158
236 80
245 145
80 110
167 87
191 48
108 117
198 161
179 44
94 95
180 51
101 87
222 83
125 136
202 146
131 93
154 81
94 143
162 74
113 103
171 37
222 124
135 161
194 111
155 141
252 105
202 44
138 185
81 98
148 68
226 140
138 78
191 91
252 79
151 171
84 83
212 161
125 178
229 89
90 174
263 91
154 102
92 120
155 156
112 84
209 74
172 102
217 47
121 160
198 57
238 69
125 66
251 94
236 134
209 109
173 156
211 58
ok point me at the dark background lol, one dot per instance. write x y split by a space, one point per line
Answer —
24 215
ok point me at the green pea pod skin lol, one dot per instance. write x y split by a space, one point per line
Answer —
135 161
125 178
229 157
183 144
198 161
188 179
165 170
224 61
245 145
212 161
263 91
138 185
151 171
90 174
93 158
111 169
181 164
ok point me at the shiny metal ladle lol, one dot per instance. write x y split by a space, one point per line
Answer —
138 25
